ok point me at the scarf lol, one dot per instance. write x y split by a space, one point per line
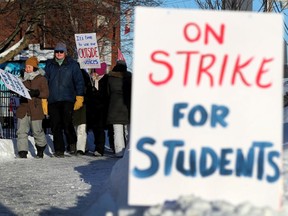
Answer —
59 61
30 76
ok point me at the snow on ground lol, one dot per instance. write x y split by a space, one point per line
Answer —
88 185
50 186
115 198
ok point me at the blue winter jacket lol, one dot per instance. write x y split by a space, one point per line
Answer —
65 82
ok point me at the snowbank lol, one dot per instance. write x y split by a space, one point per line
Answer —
114 201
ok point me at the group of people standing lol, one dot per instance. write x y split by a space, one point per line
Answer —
75 102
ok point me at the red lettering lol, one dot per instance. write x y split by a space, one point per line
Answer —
192 33
223 68
187 63
197 32
89 52
165 63
237 70
261 71
204 69
209 30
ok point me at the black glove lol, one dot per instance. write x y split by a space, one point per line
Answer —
34 92
23 100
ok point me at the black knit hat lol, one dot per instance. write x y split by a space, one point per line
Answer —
120 66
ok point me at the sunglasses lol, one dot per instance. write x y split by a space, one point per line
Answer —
58 51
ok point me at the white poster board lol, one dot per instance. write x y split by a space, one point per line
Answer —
13 83
207 107
87 49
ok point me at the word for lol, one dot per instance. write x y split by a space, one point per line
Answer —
207 162
217 116
89 52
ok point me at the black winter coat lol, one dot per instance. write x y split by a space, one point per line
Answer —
96 103
119 93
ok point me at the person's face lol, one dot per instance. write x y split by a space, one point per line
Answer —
93 74
28 68
59 54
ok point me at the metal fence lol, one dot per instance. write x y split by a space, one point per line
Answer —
8 102
8 121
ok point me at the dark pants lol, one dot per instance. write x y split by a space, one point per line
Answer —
111 137
99 139
96 122
61 115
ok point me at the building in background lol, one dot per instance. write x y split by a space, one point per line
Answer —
53 21
60 20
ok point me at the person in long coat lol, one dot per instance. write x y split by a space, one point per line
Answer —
118 114
30 112
96 106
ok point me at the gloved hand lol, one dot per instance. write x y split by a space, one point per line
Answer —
79 102
34 92
23 100
45 106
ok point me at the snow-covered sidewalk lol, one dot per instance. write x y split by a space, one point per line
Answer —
88 185
52 186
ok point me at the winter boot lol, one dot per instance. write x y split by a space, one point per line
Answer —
58 154
99 151
80 152
72 149
40 151
22 154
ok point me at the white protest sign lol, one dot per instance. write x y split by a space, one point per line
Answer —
13 83
207 107
87 49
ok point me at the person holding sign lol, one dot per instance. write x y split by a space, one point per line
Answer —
96 103
30 112
66 86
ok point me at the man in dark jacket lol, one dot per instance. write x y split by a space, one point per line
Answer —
66 88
